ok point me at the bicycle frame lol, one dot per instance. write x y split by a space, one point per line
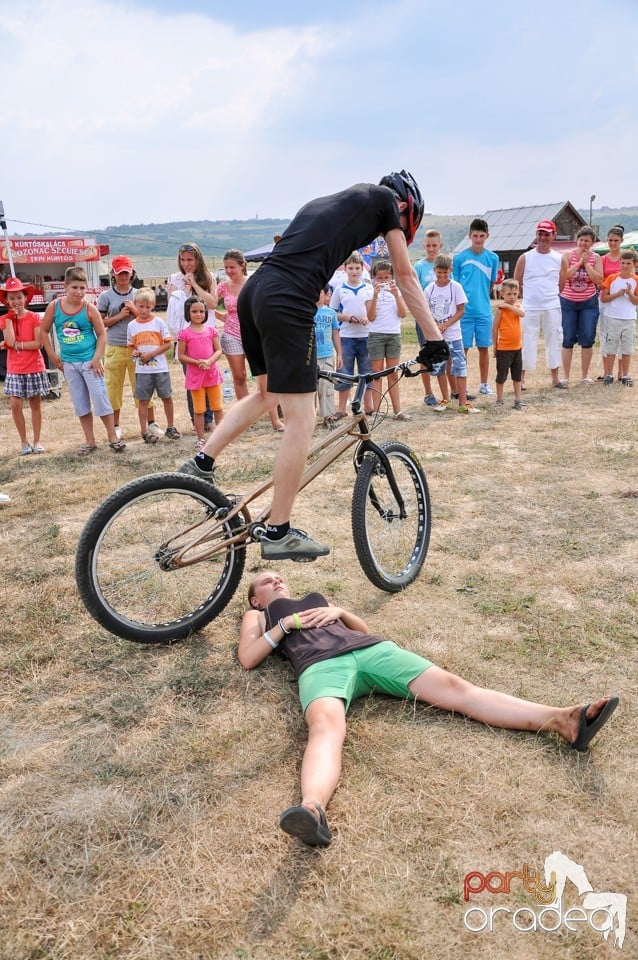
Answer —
355 430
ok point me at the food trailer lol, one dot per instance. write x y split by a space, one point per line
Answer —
43 260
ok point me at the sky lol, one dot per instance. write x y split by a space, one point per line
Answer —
151 111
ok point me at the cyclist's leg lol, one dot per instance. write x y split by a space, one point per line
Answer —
299 415
240 416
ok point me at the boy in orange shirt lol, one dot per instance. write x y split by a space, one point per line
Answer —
507 337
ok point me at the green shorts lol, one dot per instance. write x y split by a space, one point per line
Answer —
383 667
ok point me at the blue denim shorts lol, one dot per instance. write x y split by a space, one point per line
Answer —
354 348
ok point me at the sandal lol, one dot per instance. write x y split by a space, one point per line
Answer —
402 416
117 446
149 438
339 415
86 449
311 828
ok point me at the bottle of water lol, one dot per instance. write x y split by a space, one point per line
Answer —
228 392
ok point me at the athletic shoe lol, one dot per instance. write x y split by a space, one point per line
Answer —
4 498
172 433
118 432
296 545
155 430
486 390
430 400
38 448
441 407
191 468
26 450
468 408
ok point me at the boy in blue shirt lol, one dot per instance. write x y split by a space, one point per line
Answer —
476 270
328 344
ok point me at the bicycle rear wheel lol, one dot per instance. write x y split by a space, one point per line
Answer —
128 568
391 547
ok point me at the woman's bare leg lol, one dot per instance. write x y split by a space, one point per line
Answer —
450 692
321 765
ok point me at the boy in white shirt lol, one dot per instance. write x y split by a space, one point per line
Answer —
349 301
619 291
150 339
446 299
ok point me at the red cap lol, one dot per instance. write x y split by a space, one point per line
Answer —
547 226
14 285
122 264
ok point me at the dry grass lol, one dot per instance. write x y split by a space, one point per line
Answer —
141 786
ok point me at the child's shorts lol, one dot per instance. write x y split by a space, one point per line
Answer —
382 345
509 361
147 383
27 385
477 329
458 362
620 337
215 398
384 667
87 389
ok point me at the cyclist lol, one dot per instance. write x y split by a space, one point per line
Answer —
276 312
336 660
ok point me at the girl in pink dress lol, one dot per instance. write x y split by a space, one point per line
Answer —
229 290
199 349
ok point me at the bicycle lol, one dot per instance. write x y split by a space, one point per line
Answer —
163 555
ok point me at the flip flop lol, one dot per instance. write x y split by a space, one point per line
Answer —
300 822
587 729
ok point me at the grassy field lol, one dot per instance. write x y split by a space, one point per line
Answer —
141 786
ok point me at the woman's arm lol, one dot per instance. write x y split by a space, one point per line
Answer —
255 643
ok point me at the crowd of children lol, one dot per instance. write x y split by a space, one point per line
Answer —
357 325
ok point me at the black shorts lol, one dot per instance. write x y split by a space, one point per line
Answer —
278 333
509 361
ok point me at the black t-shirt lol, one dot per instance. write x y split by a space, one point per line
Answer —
305 647
326 231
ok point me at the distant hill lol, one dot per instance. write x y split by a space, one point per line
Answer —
217 236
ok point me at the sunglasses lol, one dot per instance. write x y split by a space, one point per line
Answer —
188 248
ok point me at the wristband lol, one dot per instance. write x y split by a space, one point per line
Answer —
270 640
280 624
296 621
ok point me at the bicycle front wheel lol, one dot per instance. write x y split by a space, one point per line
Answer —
391 539
145 565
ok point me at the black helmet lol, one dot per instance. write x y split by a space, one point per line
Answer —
407 189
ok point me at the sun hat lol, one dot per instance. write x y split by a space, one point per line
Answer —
122 264
547 226
15 285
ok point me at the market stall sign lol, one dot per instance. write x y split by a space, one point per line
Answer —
51 250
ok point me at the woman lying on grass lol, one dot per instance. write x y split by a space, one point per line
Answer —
336 659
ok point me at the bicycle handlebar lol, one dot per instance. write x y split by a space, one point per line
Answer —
405 367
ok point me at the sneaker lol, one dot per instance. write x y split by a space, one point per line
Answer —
191 468
518 405
26 450
155 430
296 545
468 408
486 390
441 407
608 380
37 448
118 432
430 400
172 433
4 498
627 382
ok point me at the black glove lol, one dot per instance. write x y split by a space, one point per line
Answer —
434 352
